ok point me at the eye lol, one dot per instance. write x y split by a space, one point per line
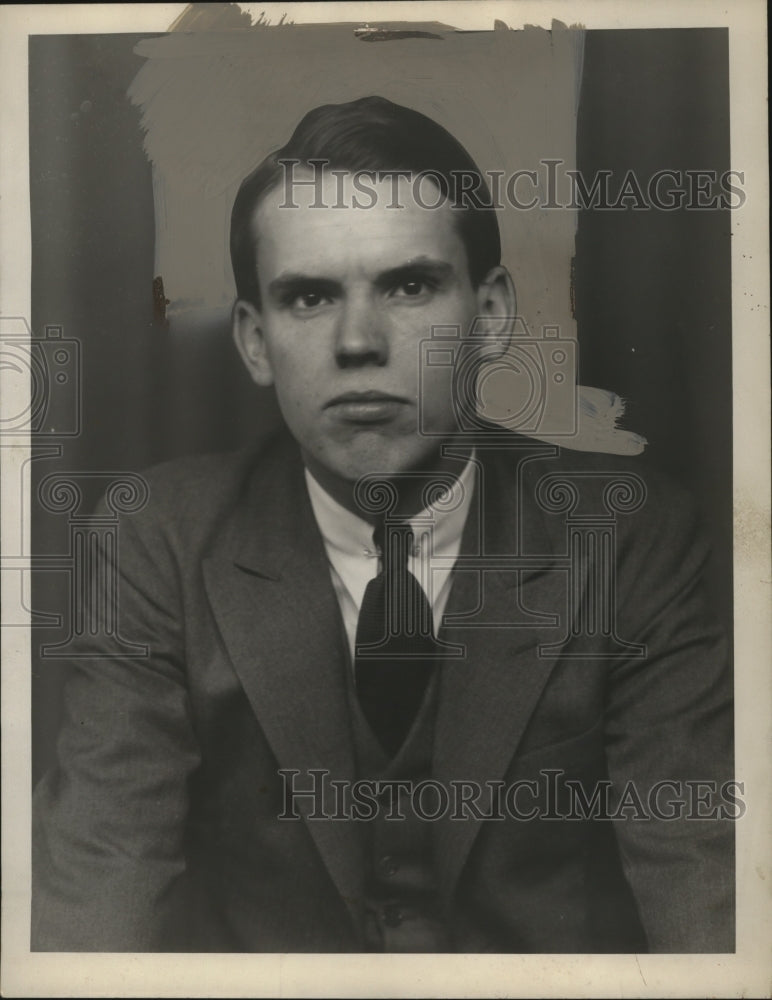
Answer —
309 300
413 288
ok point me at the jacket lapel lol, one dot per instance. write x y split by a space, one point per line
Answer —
269 586
488 695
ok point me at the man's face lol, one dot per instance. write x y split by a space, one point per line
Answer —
347 296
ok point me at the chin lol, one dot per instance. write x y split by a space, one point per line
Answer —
389 461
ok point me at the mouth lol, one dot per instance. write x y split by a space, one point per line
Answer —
369 407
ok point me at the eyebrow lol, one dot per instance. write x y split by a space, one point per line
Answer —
292 282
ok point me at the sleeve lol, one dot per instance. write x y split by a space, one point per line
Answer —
669 737
108 866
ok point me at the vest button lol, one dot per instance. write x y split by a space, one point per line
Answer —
388 866
392 915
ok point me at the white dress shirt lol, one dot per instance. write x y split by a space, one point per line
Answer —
354 560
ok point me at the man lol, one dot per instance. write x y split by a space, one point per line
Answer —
414 682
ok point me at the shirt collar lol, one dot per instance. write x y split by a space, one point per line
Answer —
350 535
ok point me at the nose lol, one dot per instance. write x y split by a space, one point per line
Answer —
360 337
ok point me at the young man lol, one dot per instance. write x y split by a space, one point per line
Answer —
413 682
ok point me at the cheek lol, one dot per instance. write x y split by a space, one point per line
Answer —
296 392
296 367
436 390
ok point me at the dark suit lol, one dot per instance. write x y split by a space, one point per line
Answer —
160 829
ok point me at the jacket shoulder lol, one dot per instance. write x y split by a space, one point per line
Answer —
189 498
195 484
635 482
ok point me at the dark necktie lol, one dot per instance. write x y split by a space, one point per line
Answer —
395 646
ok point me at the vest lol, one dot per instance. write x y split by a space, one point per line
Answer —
402 911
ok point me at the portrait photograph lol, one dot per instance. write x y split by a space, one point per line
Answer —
386 500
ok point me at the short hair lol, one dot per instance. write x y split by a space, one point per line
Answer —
371 134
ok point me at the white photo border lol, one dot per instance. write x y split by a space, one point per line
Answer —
747 972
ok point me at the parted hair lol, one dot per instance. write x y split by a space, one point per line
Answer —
371 134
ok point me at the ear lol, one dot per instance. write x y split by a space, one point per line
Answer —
250 340
496 308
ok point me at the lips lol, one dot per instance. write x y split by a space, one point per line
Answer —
370 406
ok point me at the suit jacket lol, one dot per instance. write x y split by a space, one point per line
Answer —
159 830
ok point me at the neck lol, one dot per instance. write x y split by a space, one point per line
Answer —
409 486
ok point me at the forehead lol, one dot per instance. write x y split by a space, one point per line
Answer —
354 222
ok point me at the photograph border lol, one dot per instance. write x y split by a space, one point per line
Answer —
748 970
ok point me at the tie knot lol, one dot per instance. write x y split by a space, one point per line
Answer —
395 541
